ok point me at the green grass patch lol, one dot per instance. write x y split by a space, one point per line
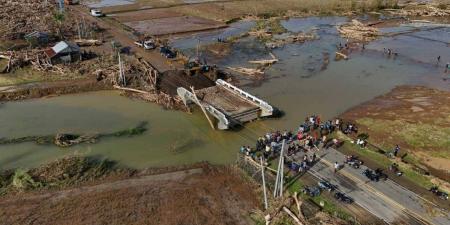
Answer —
417 135
416 177
331 208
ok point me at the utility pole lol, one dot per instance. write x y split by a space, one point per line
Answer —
278 190
266 205
122 80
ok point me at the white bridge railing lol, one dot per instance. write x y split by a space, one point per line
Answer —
266 108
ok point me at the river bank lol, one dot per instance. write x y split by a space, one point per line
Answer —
416 119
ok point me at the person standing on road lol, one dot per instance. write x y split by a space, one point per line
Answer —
336 167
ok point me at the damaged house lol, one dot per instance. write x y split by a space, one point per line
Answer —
64 52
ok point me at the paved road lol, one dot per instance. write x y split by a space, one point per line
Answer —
385 199
126 38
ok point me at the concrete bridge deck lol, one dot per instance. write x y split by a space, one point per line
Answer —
228 104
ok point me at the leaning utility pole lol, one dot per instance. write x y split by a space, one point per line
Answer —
266 205
203 109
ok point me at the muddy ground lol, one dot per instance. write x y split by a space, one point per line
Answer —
199 195
42 89
416 118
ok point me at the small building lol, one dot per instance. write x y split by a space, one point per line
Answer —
64 52
37 38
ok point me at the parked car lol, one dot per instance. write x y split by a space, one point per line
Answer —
96 13
165 51
147 45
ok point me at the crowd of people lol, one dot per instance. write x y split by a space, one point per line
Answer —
311 134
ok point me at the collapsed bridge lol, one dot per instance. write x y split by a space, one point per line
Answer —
230 105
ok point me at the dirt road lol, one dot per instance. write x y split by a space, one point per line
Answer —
126 38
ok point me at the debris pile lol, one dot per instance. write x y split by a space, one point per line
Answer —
24 16
36 58
425 10
67 140
291 38
248 71
290 210
358 31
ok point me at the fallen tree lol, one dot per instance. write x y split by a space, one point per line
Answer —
67 140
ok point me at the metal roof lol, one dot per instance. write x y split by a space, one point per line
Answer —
65 47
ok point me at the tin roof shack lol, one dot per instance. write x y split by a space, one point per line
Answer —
64 52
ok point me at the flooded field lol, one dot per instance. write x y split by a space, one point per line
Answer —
106 3
307 80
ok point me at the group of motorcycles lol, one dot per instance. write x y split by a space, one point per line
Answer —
325 185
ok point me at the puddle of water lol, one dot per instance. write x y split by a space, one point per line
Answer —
106 3
297 85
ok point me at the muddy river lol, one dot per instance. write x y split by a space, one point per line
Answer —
307 80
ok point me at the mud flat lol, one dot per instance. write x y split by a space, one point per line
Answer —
414 117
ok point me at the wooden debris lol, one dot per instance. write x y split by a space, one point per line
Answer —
358 31
423 10
341 55
247 71
88 42
290 213
36 58
265 62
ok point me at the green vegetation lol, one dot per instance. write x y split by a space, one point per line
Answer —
271 25
416 135
60 173
384 162
442 5
29 75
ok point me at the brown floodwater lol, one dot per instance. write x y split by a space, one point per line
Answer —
304 82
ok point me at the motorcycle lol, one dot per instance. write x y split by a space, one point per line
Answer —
311 191
343 197
325 185
353 161
435 190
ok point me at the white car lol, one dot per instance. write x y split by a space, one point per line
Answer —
147 45
96 13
